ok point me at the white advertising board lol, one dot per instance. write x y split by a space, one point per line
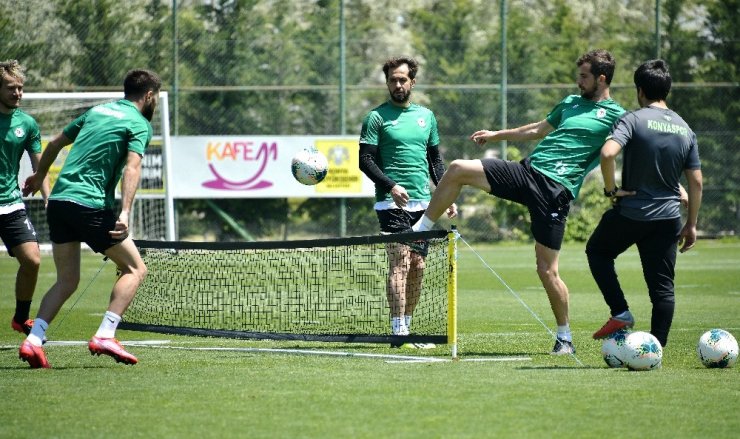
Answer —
259 167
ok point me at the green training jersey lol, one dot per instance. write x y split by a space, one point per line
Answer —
402 136
102 137
19 132
569 152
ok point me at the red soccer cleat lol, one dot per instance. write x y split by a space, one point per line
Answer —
613 325
24 328
34 355
110 346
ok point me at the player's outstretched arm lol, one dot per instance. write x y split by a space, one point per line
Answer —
37 180
532 131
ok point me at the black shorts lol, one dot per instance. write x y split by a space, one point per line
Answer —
15 229
72 222
399 221
548 202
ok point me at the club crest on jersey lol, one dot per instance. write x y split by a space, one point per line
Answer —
600 113
422 123
19 132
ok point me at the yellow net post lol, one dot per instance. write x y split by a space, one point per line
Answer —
452 290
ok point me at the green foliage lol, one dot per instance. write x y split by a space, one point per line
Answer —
586 211
253 67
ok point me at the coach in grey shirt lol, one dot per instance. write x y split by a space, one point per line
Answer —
658 147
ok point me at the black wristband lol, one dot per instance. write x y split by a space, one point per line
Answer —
611 193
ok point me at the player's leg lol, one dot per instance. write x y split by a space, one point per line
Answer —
415 276
414 280
29 260
19 237
658 252
132 272
613 236
460 173
67 262
558 296
557 291
399 258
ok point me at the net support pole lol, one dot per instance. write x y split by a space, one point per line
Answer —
167 153
452 291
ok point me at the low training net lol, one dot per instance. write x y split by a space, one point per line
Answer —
313 290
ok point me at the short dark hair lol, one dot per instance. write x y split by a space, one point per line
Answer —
602 63
392 63
140 81
654 79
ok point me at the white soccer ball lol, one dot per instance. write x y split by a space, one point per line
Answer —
717 348
642 351
612 349
309 166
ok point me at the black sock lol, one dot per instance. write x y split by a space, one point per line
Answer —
22 310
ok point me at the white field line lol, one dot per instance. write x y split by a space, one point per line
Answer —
390 358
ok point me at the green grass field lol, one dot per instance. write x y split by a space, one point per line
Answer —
178 391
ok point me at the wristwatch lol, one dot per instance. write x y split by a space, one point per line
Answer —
611 193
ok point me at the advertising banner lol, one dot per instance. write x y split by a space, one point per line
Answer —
260 167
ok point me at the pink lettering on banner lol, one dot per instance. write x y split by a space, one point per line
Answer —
228 154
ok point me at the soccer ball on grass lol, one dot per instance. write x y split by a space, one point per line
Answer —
717 348
309 166
642 351
612 349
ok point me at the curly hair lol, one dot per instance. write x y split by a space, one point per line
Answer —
12 68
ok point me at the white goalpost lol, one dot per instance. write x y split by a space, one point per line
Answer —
153 211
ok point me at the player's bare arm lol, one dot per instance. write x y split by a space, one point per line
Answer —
45 189
609 153
687 239
35 181
129 183
532 131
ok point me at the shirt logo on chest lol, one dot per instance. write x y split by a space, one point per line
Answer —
600 113
19 132
422 123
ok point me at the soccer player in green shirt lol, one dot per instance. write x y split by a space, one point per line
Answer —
109 143
19 133
549 179
399 152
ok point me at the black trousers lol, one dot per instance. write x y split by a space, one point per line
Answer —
657 243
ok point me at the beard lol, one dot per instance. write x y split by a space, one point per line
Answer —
401 96
148 111
588 93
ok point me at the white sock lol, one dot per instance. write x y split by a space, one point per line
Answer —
423 224
407 321
564 332
108 326
38 332
395 325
